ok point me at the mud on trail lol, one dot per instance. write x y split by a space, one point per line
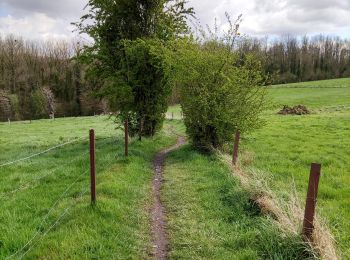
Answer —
160 239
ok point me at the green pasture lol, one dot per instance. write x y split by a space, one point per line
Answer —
286 146
45 209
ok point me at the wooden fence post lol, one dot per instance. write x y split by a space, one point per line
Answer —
308 226
92 166
126 133
235 148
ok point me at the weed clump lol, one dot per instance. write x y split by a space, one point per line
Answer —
296 110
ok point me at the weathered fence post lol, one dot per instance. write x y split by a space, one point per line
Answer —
126 133
308 226
92 166
172 115
235 148
9 121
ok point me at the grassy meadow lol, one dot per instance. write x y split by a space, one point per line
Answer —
210 216
287 145
281 152
45 209
45 201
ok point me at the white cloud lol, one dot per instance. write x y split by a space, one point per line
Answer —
49 18
280 17
35 26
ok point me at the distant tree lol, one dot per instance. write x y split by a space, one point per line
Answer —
27 67
129 36
292 59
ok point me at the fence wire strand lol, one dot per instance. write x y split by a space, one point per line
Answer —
49 212
29 245
32 242
50 173
65 212
42 152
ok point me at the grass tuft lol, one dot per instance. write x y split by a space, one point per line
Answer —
287 212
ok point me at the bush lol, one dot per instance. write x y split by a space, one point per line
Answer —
127 55
15 107
143 90
38 105
220 92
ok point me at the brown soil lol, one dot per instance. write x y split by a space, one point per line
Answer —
296 110
160 240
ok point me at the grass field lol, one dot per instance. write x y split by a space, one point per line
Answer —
210 216
45 209
283 150
45 202
286 146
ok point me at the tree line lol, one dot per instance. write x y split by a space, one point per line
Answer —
42 80
291 59
46 79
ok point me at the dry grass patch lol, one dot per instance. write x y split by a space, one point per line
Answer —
287 212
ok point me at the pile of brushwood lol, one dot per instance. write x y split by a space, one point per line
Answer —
296 110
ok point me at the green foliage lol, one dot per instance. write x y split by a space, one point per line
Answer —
221 93
15 109
127 55
38 105
144 91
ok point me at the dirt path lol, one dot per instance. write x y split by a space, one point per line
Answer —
160 240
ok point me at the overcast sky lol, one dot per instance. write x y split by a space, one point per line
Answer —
43 19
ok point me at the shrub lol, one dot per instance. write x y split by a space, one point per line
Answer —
38 105
127 55
143 97
220 91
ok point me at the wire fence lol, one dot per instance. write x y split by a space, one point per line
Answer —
62 195
42 152
30 244
45 225
42 228
75 140
32 183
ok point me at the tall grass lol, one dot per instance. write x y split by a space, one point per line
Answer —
287 212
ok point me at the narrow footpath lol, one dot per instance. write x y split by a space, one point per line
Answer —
160 239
